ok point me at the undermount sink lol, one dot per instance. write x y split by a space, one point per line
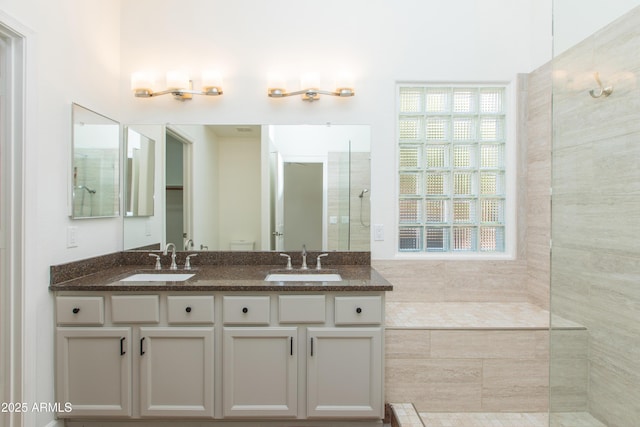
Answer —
158 277
303 277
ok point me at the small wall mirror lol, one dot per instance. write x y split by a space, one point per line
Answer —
139 173
96 165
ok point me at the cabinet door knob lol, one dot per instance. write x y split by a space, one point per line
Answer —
245 310
358 310
122 352
142 346
76 310
188 309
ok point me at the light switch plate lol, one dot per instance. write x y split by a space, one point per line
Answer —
72 237
378 232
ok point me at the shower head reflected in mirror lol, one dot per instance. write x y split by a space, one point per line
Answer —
361 196
84 187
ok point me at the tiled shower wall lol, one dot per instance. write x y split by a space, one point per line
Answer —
349 173
596 206
360 222
94 169
525 279
446 367
538 184
455 281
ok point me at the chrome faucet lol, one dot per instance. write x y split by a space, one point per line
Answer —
318 263
188 244
304 258
288 267
158 266
173 266
187 263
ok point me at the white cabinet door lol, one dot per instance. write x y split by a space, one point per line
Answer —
260 372
93 367
344 373
176 371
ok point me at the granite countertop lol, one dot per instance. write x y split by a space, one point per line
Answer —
228 278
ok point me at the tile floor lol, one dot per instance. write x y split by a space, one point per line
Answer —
574 419
407 416
532 419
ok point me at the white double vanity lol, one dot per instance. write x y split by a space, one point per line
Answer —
224 346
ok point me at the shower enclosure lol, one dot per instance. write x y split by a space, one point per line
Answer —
595 227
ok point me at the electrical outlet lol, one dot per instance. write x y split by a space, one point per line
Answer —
72 237
378 232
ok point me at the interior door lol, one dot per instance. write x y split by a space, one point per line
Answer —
303 205
278 227
178 189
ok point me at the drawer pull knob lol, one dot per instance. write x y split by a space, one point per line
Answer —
76 310
358 310
188 309
245 310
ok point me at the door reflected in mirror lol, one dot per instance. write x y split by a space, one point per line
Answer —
139 174
96 165
265 187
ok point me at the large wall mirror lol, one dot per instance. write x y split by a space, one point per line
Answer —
96 165
258 187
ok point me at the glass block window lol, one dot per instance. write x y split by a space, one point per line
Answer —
451 143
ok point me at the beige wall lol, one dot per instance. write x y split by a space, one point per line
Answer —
477 281
238 190
468 370
596 202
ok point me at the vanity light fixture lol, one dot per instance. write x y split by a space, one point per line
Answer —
311 92
178 84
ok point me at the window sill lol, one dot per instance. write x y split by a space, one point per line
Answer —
458 256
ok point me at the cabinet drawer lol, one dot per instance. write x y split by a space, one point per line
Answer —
301 309
135 309
358 310
247 310
190 309
80 310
